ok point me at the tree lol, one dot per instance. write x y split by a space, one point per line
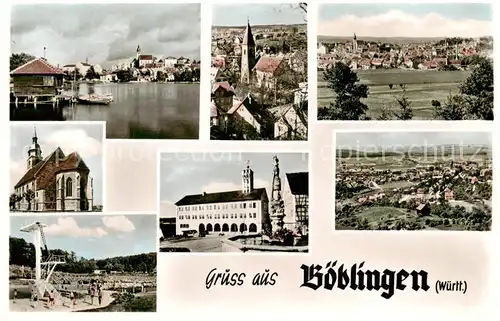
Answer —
347 105
226 47
124 75
13 199
160 76
406 112
29 195
453 109
475 100
477 90
109 267
386 113
19 59
91 74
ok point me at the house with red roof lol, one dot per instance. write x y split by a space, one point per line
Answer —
269 70
222 95
38 79
58 182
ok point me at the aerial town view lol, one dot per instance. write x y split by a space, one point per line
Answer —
234 202
405 61
413 181
259 72
135 66
56 167
83 263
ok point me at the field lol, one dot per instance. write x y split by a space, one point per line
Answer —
423 86
386 215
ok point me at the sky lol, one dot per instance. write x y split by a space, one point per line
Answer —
105 33
184 174
94 236
258 14
406 20
388 139
86 139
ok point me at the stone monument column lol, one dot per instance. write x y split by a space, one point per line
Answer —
277 204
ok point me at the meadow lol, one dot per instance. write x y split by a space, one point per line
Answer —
423 86
377 216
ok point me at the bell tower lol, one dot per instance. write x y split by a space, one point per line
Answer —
247 179
34 152
247 55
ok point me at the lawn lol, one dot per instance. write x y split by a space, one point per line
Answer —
374 213
397 184
423 86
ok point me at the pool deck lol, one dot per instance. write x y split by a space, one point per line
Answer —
26 305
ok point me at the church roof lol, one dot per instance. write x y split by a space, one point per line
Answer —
248 37
71 162
222 197
298 182
38 66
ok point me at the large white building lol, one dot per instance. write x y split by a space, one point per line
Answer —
240 211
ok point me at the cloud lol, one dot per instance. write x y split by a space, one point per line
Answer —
215 187
118 223
68 227
17 170
172 174
167 209
396 23
73 140
104 33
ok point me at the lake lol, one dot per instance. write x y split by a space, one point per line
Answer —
143 110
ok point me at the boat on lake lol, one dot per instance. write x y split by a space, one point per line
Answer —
95 99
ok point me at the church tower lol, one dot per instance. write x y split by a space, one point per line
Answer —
354 43
247 179
247 55
34 152
138 52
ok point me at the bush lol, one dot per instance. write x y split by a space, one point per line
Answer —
284 236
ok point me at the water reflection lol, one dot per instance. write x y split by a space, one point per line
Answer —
143 110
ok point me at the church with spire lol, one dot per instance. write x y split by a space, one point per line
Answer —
248 57
55 183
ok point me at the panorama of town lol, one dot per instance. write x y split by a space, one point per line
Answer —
372 74
259 82
144 67
406 79
446 187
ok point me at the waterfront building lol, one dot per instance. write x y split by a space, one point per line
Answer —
36 80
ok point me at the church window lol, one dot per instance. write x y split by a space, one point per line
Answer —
69 187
